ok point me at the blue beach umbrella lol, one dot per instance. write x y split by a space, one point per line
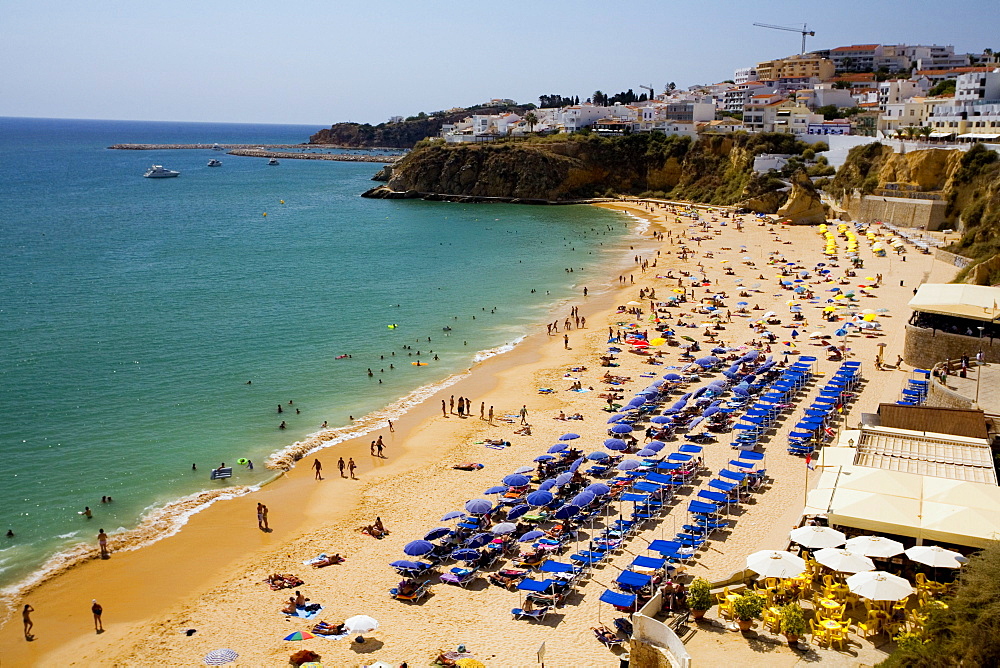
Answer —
564 478
547 485
465 554
558 447
662 419
417 548
479 540
567 512
478 506
454 514
439 532
517 511
598 488
577 464
615 444
656 445
673 376
503 529
404 563
499 489
582 499
621 429
516 480
544 458
711 410
534 534
569 437
629 465
616 417
646 452
539 498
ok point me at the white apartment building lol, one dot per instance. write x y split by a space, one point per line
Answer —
915 111
978 86
744 74
581 116
899 90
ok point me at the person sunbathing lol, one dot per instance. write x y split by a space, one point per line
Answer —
524 431
290 606
328 561
407 587
373 531
278 581
325 629
605 635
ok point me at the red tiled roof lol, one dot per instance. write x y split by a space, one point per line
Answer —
957 70
857 47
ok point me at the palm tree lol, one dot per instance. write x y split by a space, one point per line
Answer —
531 120
925 131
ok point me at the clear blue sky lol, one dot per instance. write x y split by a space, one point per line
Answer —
323 61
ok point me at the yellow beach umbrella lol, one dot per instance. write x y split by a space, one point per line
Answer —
658 341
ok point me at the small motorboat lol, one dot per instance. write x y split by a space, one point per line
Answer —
273 162
159 172
214 163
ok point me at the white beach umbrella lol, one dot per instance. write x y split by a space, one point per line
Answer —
844 561
875 546
776 564
360 624
936 556
879 586
220 657
816 536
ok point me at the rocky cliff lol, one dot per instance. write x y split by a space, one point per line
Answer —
404 134
968 181
716 169
804 206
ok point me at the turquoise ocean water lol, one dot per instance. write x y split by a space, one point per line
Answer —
133 311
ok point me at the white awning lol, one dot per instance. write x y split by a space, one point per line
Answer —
977 302
979 135
941 135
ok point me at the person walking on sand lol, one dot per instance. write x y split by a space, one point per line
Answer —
96 608
102 542
524 414
392 430
351 466
340 465
318 467
379 446
264 517
566 341
28 624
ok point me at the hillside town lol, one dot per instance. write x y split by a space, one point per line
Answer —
921 92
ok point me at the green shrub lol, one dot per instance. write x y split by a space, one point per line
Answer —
700 595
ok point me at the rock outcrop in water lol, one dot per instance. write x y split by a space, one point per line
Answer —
715 169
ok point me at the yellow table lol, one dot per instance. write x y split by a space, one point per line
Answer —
830 625
829 603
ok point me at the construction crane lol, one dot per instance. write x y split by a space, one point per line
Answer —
650 89
804 30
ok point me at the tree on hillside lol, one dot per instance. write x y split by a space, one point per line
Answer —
532 120
967 633
599 98
946 87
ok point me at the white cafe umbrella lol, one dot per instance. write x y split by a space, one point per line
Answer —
875 546
879 586
844 561
936 556
817 536
776 564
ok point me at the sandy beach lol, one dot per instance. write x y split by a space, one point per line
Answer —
210 576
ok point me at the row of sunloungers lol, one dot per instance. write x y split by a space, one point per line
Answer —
812 427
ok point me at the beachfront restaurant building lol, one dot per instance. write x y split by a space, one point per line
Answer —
919 487
951 320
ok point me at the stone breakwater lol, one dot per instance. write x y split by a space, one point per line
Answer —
266 151
384 192
158 147
340 157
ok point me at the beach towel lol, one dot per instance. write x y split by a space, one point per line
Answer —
340 637
322 557
497 446
306 614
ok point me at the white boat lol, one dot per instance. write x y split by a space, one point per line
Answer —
216 147
273 161
214 163
159 172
